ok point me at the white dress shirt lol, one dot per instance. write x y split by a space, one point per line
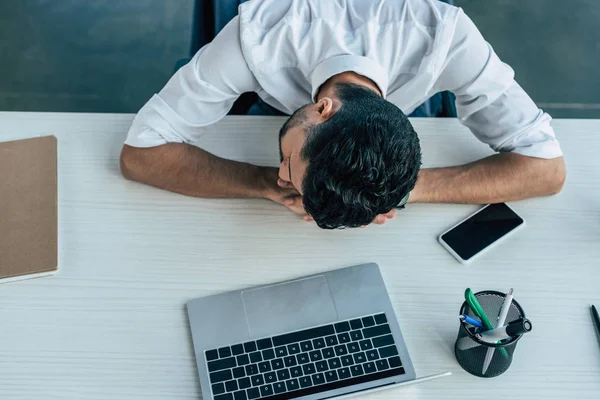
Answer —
284 50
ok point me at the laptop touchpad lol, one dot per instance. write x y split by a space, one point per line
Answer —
289 306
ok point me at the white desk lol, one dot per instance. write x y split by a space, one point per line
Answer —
112 324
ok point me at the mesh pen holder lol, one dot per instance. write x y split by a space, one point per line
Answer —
471 352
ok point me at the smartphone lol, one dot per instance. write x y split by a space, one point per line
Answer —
477 233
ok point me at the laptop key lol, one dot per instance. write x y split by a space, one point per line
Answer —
283 374
270 377
347 360
342 327
212 355
305 382
257 380
251 369
334 363
331 340
264 366
239 372
318 379
266 390
264 343
356 324
255 357
292 384
253 393
319 343
389 351
277 363
294 348
328 352
344 338
369 367
306 346
241 395
243 360
395 362
308 369
356 370
353 347
372 355
268 354
341 350
224 352
224 363
296 372
302 358
218 388
227 396
366 344
244 383
290 361
237 349
382 365
231 386
221 376
383 341
368 321
380 319
281 351
331 376
315 355
321 366
356 335
378 330
249 347
344 373
360 358
279 387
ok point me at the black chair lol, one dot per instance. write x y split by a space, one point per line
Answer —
210 16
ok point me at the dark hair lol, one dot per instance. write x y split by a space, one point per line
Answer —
361 162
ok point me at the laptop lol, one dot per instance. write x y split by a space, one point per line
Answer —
330 335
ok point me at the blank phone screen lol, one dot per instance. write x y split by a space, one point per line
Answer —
481 230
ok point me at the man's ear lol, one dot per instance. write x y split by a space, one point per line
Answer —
326 108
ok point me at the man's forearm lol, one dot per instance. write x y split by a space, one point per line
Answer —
191 171
499 178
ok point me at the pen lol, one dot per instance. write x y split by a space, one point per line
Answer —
478 310
471 321
515 328
501 320
596 319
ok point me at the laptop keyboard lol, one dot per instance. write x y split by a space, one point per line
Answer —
305 362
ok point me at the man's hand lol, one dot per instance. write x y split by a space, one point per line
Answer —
294 203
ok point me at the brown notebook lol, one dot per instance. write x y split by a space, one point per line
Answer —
28 208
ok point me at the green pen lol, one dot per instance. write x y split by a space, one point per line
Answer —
478 310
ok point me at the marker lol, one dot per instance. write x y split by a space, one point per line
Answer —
515 328
471 321
501 320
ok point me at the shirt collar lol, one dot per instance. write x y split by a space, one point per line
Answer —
336 65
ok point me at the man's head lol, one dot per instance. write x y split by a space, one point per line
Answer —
352 156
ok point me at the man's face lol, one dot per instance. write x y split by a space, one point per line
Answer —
291 140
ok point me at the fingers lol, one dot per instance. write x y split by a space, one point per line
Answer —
294 201
383 218
284 184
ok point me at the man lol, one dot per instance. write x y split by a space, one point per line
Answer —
349 69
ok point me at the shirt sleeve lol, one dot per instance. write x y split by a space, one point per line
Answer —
488 99
199 94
